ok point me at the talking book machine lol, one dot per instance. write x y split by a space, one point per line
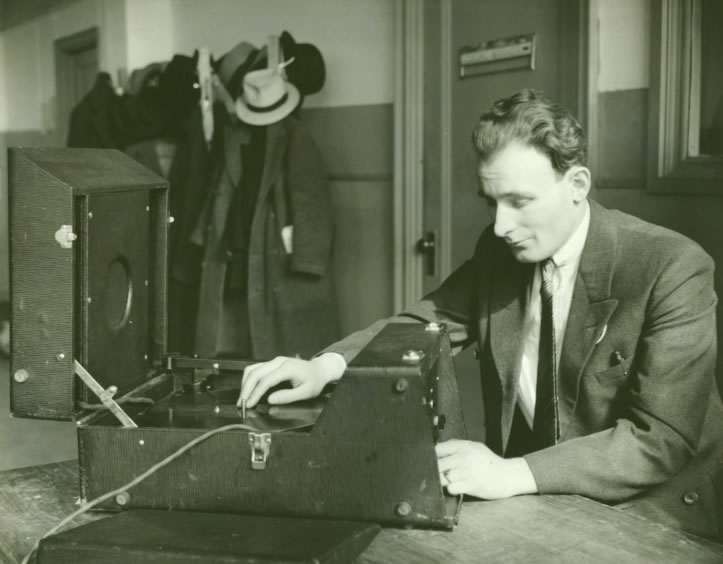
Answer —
156 430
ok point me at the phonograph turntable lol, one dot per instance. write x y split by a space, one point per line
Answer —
89 233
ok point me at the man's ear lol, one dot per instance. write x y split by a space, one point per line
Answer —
580 181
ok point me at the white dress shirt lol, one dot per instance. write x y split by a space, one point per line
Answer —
567 261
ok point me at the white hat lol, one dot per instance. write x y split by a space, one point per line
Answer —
267 97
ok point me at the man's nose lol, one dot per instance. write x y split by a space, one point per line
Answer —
503 221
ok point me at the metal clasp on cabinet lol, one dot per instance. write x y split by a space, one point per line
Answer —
260 444
65 236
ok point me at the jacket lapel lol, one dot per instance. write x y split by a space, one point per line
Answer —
591 307
275 147
590 310
508 299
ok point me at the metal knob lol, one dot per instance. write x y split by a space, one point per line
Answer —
403 509
401 385
123 498
413 356
21 376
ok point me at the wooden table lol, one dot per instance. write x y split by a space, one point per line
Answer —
523 529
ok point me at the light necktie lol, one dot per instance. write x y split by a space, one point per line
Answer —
546 427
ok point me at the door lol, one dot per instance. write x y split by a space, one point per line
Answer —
76 68
454 215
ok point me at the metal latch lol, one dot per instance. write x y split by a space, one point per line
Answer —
260 443
65 236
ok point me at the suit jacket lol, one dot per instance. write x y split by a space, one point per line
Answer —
648 430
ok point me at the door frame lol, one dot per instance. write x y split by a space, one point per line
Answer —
579 80
408 149
65 48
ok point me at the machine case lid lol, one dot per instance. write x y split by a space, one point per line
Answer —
88 239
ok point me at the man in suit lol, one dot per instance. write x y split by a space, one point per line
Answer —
595 332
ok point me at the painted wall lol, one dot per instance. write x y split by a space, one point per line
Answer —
356 38
623 144
150 32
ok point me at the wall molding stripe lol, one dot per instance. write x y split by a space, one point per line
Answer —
360 177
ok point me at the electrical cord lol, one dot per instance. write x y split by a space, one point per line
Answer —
170 458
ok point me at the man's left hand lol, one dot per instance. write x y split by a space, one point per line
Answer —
467 467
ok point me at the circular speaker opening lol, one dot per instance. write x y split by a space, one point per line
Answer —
118 296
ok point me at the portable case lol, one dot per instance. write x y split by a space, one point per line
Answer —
89 231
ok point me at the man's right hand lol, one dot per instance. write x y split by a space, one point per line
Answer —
307 378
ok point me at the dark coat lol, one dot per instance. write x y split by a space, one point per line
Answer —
648 431
291 298
189 181
287 295
105 119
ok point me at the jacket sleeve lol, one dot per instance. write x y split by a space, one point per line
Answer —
454 303
309 199
672 382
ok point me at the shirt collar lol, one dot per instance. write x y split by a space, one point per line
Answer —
572 249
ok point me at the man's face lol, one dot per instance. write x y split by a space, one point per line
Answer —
535 208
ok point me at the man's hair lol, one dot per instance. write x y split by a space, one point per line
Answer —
532 118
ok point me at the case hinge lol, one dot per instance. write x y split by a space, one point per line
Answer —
105 396
260 444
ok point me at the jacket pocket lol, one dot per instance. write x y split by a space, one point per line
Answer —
613 375
602 396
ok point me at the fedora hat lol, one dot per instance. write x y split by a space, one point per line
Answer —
307 71
267 97
235 64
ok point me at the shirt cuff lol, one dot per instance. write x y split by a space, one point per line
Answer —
334 365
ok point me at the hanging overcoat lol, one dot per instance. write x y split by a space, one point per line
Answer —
290 296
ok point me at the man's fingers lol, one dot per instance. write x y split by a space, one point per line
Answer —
248 370
457 488
447 448
455 481
253 373
269 380
261 368
444 480
289 396
447 463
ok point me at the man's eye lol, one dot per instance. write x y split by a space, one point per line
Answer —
520 202
490 202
